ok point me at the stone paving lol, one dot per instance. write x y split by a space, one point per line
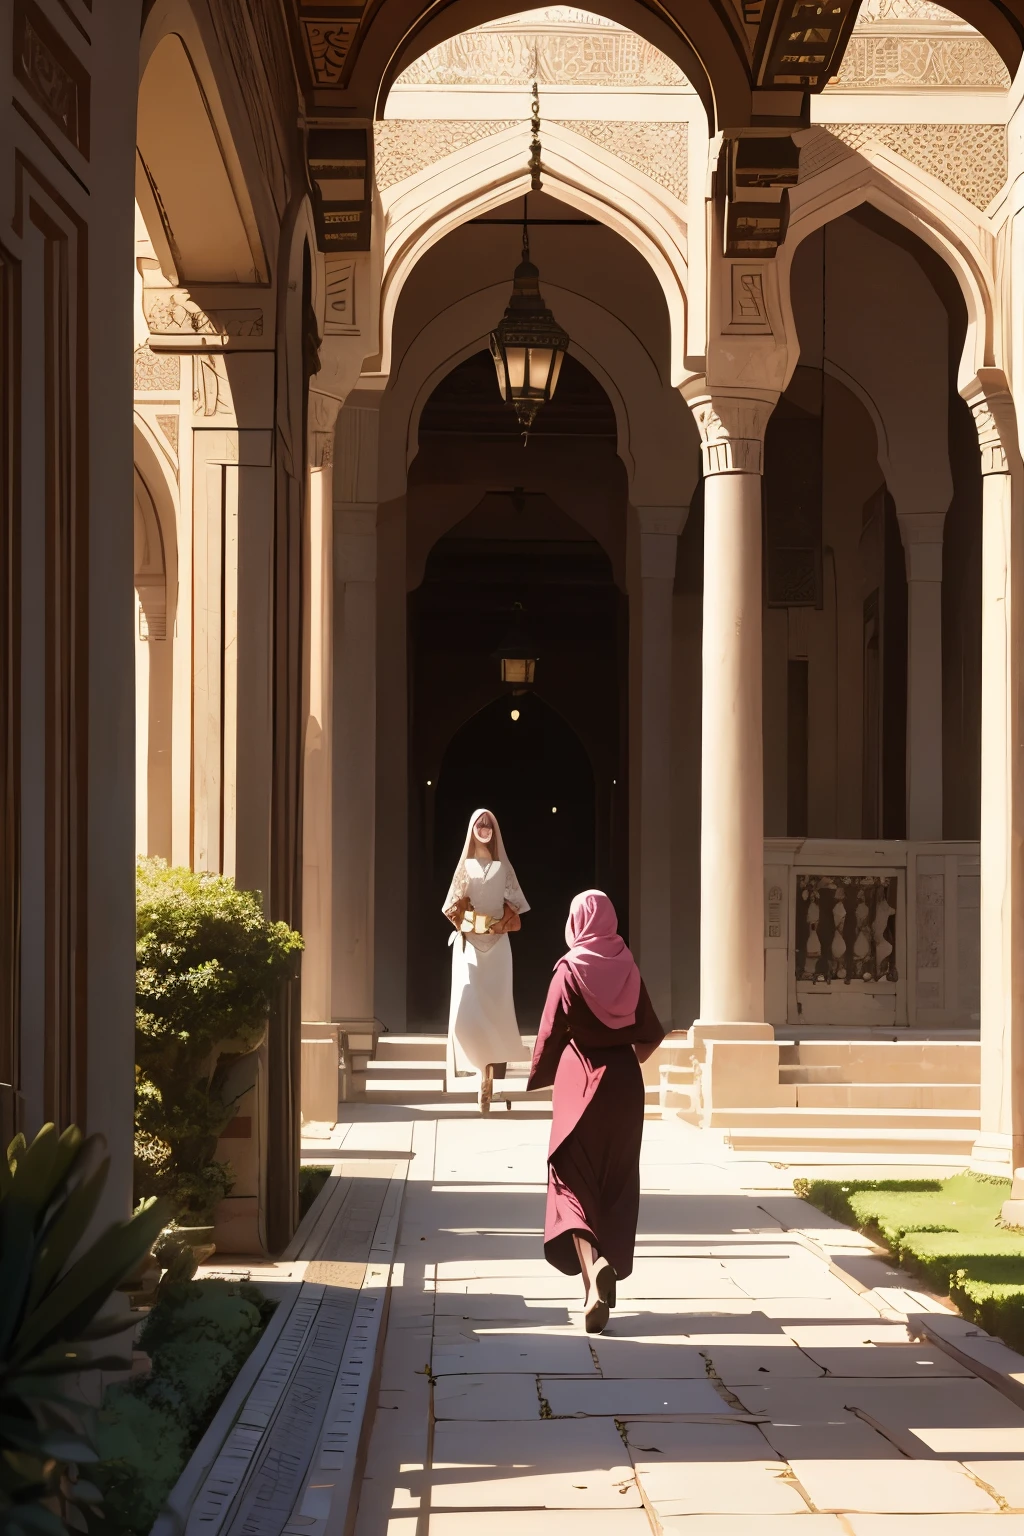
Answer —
743 1388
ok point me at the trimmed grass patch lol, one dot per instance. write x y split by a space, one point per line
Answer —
944 1230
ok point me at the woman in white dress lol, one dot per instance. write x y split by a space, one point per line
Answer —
484 904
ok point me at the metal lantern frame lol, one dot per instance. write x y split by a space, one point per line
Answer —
517 654
528 345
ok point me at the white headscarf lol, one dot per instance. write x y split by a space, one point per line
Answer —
460 879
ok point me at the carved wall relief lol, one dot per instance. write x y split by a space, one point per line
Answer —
659 150
405 146
602 56
340 304
327 46
156 370
970 158
51 74
900 43
172 312
748 309
169 427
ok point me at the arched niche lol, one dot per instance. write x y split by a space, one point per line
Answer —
182 182
155 576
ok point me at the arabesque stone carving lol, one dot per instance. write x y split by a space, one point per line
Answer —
157 370
970 158
901 43
658 150
603 56
405 146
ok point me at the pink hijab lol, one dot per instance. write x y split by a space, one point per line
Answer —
601 964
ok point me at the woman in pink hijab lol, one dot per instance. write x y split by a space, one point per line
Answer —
598 1026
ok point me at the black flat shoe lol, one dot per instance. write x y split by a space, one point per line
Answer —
596 1315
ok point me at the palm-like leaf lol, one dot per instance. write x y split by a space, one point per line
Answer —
51 1294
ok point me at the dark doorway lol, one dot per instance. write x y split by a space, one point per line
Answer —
542 552
535 775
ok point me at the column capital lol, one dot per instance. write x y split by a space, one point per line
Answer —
991 403
662 520
921 533
322 416
731 427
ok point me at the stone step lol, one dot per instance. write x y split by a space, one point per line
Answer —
843 1119
888 1095
397 1071
833 1142
411 1048
886 1061
808 1074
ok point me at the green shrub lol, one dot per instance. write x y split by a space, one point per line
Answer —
312 1178
198 1336
208 965
945 1231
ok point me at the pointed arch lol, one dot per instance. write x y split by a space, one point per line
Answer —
915 200
483 176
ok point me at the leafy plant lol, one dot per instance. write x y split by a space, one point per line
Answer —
208 964
198 1336
51 1294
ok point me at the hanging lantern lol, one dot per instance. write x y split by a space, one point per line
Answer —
517 654
529 344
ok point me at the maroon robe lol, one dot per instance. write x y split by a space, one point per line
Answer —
597 1123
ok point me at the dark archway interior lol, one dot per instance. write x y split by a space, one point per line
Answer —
567 749
536 776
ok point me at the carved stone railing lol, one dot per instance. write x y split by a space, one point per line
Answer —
871 933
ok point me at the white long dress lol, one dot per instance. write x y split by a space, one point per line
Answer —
482 1024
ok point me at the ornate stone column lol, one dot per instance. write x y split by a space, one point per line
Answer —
319 1036
355 756
660 528
732 428
922 544
1000 1146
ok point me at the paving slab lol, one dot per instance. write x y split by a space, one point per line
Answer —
891 1487
1005 1478
514 1310
915 1412
672 1279
550 1464
933 1525
738 1365
654 1355
573 1398
664 1443
741 1525
486 1397
532 1352
542 1522
748 1488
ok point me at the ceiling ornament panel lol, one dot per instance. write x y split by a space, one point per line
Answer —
658 150
594 56
328 30
404 146
898 44
894 62
969 158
